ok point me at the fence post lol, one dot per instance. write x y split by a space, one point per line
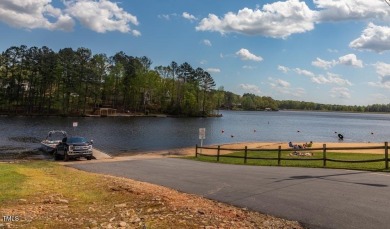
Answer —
324 154
196 150
219 148
279 154
386 155
246 154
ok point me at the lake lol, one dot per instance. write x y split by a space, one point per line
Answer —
135 134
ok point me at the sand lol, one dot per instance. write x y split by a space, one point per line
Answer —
316 146
190 151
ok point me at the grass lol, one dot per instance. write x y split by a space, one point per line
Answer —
11 181
369 166
26 180
41 181
46 183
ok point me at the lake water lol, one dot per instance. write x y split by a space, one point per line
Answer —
135 134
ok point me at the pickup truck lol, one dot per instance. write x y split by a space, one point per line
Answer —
74 147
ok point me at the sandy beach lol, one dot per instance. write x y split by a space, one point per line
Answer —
315 146
190 151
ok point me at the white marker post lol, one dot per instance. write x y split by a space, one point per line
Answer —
75 124
202 135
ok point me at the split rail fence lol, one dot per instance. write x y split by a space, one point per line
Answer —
279 157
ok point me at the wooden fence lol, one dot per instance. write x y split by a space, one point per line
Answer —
279 158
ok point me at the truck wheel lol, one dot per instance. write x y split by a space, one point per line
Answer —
56 156
66 156
89 158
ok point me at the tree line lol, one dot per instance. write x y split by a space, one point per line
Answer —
253 102
76 82
40 81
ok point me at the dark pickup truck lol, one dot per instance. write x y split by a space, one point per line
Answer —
74 147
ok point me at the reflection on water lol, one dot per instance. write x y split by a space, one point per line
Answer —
134 134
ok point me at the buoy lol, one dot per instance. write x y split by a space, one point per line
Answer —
298 131
372 133
341 137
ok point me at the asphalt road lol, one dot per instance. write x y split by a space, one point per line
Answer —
318 198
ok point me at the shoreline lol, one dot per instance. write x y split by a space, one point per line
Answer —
226 148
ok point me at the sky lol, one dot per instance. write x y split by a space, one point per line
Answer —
323 51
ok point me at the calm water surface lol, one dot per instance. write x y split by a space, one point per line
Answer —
135 134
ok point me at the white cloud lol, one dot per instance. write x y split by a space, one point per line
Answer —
380 84
333 50
164 16
374 38
282 83
213 70
379 98
340 92
298 92
249 67
304 72
284 87
38 14
283 69
339 10
102 16
250 88
331 78
207 42
281 19
244 54
277 20
167 16
383 70
350 60
323 63
189 16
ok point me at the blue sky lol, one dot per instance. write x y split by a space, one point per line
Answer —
320 51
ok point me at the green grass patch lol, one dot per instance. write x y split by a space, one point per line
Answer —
28 180
11 180
269 158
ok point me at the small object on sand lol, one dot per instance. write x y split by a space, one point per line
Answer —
295 153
